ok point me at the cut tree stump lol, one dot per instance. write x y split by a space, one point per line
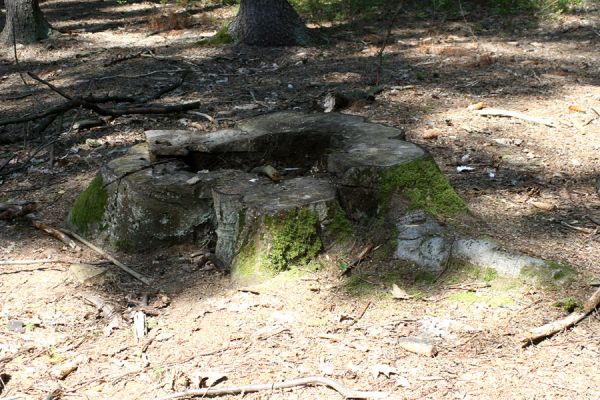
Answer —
324 170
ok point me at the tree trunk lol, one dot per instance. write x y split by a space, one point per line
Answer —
268 23
25 19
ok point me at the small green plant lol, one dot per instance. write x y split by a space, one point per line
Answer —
569 304
221 37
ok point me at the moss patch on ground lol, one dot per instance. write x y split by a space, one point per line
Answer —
425 187
469 298
549 276
89 207
569 304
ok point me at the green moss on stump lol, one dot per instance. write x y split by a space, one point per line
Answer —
340 226
89 207
247 261
425 187
294 239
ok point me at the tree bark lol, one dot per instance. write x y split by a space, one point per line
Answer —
268 23
25 19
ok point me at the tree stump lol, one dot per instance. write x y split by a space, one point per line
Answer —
271 191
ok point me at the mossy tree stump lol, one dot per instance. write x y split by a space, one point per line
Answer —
331 166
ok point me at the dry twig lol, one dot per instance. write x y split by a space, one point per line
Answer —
497 112
309 381
104 254
54 232
564 323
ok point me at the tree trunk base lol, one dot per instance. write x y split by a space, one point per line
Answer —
25 23
268 23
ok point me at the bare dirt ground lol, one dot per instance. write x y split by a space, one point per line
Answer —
532 188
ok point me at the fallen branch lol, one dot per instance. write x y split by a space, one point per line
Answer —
310 381
56 233
92 103
30 262
103 253
564 323
497 112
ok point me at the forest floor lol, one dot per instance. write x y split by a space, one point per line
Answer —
532 188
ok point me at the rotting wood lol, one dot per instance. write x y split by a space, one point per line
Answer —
309 381
104 254
10 211
497 112
551 328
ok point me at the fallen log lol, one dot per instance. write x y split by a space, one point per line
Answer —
551 328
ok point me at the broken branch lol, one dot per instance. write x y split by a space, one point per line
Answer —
497 112
310 381
55 232
564 323
91 103
103 253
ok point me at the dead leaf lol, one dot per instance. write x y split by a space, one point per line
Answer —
431 134
576 108
399 294
382 369
476 106
543 205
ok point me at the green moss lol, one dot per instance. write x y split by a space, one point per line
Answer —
464 297
221 37
425 277
425 187
357 286
247 261
89 207
294 239
550 275
340 226
569 304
